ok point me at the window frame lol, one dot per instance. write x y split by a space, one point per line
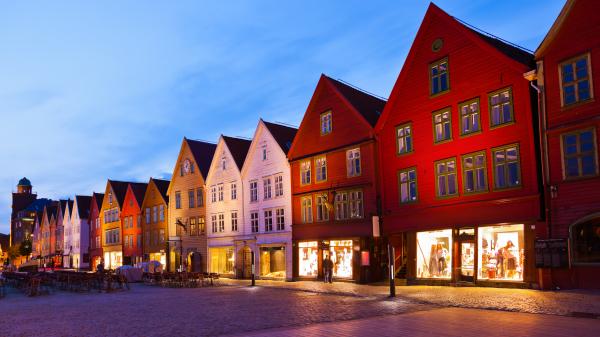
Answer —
309 211
464 172
325 217
268 220
430 76
433 123
595 153
254 222
460 117
330 129
572 60
396 137
437 175
303 170
317 181
512 108
278 182
399 182
519 172
253 186
191 198
350 162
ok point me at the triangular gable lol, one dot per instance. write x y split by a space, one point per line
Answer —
238 149
138 190
82 206
555 29
216 161
160 186
202 156
285 134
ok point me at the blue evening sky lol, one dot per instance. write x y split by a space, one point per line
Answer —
108 90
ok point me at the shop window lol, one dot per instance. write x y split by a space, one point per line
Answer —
341 252
442 126
474 173
434 254
438 77
308 259
272 262
575 80
507 171
222 260
585 238
353 162
579 154
321 169
470 120
501 107
305 172
445 174
501 252
407 185
326 123
307 213
404 142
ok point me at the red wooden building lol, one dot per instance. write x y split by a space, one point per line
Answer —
568 71
334 184
131 222
95 247
457 142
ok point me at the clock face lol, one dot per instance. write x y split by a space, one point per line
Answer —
186 166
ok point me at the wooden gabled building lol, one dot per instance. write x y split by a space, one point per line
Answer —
155 216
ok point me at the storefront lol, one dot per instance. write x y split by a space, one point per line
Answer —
113 260
490 254
160 257
272 262
222 260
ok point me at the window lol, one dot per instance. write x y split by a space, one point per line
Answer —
191 199
445 174
161 235
322 211
201 225
268 220
474 172
178 227
220 189
469 117
341 206
442 126
234 221
125 223
438 77
326 123
213 194
161 212
213 223
233 191
139 220
507 172
148 215
305 172
353 162
278 185
264 153
110 198
280 219
254 222
307 214
223 164
154 214
253 191
404 139
147 238
585 239
193 227
501 252
178 200
501 107
267 188
221 222
97 241
575 80
435 254
356 204
139 240
155 237
200 197
321 169
579 154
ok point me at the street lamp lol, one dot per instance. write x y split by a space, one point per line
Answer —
184 229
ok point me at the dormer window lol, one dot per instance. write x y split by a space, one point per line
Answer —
326 123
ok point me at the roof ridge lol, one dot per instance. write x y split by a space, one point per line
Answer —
488 34
356 88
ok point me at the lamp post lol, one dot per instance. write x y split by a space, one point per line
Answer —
184 229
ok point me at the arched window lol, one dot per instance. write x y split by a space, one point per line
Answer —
585 240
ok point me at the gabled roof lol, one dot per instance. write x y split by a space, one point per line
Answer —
83 205
369 106
520 55
120 189
98 197
238 148
284 135
553 31
139 190
38 205
163 187
64 204
203 153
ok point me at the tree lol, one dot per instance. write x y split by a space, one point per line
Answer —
25 248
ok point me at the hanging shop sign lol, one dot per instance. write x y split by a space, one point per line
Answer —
551 253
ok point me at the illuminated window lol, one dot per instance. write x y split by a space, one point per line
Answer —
501 107
575 80
321 169
193 227
308 259
254 222
161 236
307 213
404 142
507 171
407 185
434 254
267 188
353 168
222 260
470 120
356 204
579 154
305 172
268 220
201 225
445 174
234 221
326 123
442 126
474 173
253 191
501 252
322 211
341 206
340 253
438 76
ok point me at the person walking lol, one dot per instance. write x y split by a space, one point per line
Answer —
328 269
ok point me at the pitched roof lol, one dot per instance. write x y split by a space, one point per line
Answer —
520 55
98 197
556 27
238 148
83 205
64 204
163 187
139 189
52 209
38 205
203 153
120 189
369 106
284 135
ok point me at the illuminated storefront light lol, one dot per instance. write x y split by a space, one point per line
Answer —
434 254
341 252
308 259
501 252
272 262
222 260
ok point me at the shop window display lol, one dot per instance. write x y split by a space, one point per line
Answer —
272 262
341 255
308 264
222 260
501 253
434 254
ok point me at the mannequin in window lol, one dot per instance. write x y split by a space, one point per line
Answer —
433 262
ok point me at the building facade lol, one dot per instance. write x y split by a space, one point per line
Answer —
21 224
334 184
458 147
568 69
228 252
95 231
186 212
267 196
67 242
131 219
112 231
154 221
80 232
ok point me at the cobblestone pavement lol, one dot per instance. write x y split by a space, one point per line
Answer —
154 311
565 303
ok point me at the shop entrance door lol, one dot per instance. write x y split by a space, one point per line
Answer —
466 248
